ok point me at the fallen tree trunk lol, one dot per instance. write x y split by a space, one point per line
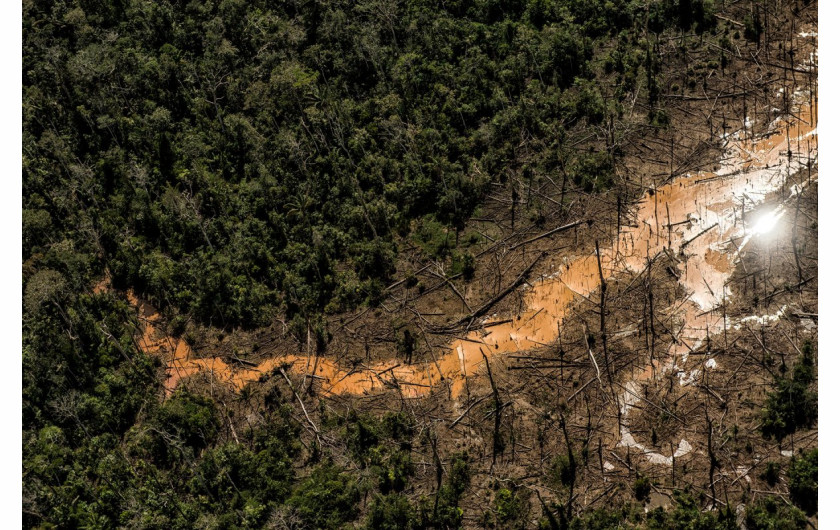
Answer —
493 301
549 233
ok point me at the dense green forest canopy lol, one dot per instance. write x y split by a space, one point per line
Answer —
234 160
231 159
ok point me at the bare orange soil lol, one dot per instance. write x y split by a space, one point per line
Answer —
708 207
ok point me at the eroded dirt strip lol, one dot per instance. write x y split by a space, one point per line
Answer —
697 217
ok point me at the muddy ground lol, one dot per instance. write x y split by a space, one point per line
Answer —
660 378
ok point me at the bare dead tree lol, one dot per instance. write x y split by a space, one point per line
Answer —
497 412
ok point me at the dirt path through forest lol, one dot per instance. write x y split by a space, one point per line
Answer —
698 217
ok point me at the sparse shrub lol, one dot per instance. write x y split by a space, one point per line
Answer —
793 403
770 475
803 482
641 488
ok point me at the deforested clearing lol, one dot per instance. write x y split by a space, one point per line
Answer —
420 264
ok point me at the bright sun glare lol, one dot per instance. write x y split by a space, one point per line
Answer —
766 223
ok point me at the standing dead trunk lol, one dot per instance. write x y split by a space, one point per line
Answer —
438 467
603 313
572 470
649 287
712 459
794 242
497 412
514 197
